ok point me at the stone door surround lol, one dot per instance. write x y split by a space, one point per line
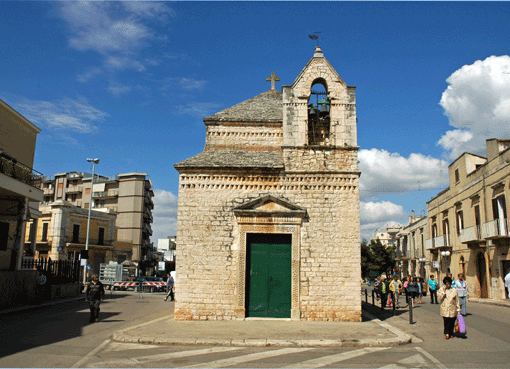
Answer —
269 214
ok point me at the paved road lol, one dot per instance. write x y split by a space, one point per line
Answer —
61 336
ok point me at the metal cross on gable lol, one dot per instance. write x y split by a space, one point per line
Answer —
273 78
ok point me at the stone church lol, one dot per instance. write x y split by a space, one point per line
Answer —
268 213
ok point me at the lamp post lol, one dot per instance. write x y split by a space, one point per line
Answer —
93 162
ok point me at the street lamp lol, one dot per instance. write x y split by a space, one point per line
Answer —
93 162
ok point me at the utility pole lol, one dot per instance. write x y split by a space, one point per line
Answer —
93 162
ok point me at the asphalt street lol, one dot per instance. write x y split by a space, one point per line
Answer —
60 336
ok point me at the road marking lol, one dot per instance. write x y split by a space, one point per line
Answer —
145 323
84 359
136 361
331 359
415 361
431 358
249 357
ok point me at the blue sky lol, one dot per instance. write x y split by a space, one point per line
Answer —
130 82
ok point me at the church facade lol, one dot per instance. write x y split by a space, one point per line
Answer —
268 213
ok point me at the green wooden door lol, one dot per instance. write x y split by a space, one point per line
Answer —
269 276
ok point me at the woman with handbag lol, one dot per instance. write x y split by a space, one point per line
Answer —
450 306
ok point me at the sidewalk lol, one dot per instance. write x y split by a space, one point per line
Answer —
36 306
505 303
263 332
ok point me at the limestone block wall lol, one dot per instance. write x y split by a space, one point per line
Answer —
244 136
309 159
208 242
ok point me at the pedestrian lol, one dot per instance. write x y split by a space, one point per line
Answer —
412 289
449 306
383 290
377 283
432 283
507 283
462 291
396 290
419 282
94 294
170 288
405 286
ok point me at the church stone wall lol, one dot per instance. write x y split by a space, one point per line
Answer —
244 137
329 280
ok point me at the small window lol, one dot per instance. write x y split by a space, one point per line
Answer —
318 114
44 236
76 233
457 176
4 235
460 221
100 237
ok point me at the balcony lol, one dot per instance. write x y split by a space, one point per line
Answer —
74 189
12 168
471 234
497 228
19 179
440 241
48 191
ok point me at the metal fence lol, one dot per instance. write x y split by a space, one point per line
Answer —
12 168
56 271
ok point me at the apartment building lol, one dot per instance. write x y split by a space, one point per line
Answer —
410 252
468 223
60 233
19 184
128 196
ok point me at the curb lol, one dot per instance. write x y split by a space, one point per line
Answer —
402 339
401 335
33 307
267 342
494 303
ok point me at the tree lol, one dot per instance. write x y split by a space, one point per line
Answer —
376 259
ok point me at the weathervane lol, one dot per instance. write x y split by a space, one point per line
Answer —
315 37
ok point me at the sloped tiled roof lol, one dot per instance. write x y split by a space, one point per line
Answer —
266 107
233 159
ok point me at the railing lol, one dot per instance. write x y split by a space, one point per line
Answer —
57 271
495 228
469 234
12 168
75 188
99 194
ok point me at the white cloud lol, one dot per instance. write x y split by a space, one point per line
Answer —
115 30
164 213
66 114
385 172
375 215
197 109
477 104
117 89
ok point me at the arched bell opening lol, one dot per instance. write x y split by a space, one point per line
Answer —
319 120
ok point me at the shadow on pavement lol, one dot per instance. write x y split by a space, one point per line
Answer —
381 314
46 325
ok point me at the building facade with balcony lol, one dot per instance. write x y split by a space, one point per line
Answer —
387 235
410 252
19 183
60 234
468 223
128 196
